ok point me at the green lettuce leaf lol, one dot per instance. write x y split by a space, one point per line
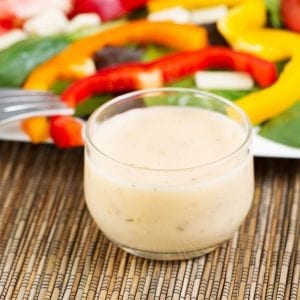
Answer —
285 128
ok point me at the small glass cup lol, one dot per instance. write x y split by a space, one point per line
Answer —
168 214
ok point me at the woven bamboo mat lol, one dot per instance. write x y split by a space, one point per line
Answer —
51 249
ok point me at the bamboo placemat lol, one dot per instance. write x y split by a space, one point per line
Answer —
51 249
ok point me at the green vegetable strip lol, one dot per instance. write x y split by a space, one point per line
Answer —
17 61
152 52
273 7
87 107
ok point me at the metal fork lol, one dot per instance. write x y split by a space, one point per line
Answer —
17 104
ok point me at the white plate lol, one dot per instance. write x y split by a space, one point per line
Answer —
261 147
266 148
12 132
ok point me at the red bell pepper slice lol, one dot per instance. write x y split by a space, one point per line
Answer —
129 77
290 11
66 131
118 79
182 64
130 5
6 25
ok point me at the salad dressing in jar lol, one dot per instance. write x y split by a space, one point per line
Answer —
168 182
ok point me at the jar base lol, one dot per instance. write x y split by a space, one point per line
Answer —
169 255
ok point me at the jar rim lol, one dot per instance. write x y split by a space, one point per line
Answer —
88 128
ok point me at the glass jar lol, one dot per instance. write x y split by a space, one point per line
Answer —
174 211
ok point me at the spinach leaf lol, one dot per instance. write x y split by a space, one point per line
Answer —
189 82
59 86
281 64
186 82
17 61
88 106
273 8
152 52
232 94
285 128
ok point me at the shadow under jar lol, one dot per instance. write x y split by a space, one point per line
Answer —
168 172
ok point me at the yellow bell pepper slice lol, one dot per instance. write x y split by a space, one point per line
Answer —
250 15
155 5
266 104
242 27
270 44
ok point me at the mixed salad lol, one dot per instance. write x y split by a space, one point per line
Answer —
88 51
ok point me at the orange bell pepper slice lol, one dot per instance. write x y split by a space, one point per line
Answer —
69 64
37 128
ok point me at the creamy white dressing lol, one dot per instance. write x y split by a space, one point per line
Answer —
168 211
168 137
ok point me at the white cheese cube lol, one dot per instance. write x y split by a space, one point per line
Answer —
83 21
219 80
175 14
208 15
48 23
86 68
